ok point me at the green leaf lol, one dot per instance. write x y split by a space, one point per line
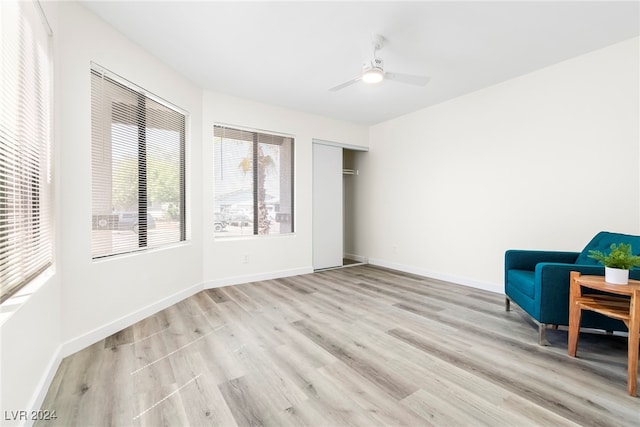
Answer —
620 256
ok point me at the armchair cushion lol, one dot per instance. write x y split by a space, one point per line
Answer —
527 260
523 281
602 242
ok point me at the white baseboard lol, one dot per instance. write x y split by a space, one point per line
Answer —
464 281
237 280
44 384
97 334
104 331
358 258
91 337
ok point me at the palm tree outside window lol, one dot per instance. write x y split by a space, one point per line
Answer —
253 185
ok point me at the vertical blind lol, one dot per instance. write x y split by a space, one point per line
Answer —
253 181
25 135
138 167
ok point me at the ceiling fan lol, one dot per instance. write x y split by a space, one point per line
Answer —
373 71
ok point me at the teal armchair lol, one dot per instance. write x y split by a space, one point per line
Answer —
538 282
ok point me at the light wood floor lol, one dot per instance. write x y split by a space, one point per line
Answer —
359 346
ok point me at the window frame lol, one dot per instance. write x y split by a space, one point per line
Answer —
255 142
143 96
26 251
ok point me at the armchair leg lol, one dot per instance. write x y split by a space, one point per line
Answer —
542 334
507 304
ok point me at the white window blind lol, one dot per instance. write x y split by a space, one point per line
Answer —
25 131
138 168
253 182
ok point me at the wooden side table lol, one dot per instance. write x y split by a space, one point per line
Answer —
617 307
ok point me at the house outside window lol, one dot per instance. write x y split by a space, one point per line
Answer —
253 188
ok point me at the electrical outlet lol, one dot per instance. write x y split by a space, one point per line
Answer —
394 248
245 259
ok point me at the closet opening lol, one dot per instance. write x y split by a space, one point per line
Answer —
337 200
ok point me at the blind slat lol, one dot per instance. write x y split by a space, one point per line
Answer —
25 237
253 186
138 149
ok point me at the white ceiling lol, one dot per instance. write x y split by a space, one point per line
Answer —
290 53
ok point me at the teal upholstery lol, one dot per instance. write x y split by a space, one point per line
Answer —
538 281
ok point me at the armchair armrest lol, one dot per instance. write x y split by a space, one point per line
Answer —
526 260
551 288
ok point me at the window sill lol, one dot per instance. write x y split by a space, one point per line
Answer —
252 237
142 251
17 300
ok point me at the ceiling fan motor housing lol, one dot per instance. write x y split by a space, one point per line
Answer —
376 63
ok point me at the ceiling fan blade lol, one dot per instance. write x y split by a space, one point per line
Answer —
345 84
408 78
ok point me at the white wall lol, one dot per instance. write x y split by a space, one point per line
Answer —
30 339
84 300
30 331
269 256
103 296
532 162
502 167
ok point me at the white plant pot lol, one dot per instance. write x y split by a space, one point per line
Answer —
616 276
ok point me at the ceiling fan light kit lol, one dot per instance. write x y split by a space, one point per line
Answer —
372 75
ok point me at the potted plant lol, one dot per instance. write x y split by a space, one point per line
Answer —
617 263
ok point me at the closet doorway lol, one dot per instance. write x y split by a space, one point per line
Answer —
336 181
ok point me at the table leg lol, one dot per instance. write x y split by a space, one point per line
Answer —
574 314
634 338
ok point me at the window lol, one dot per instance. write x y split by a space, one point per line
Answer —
253 182
25 136
138 168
